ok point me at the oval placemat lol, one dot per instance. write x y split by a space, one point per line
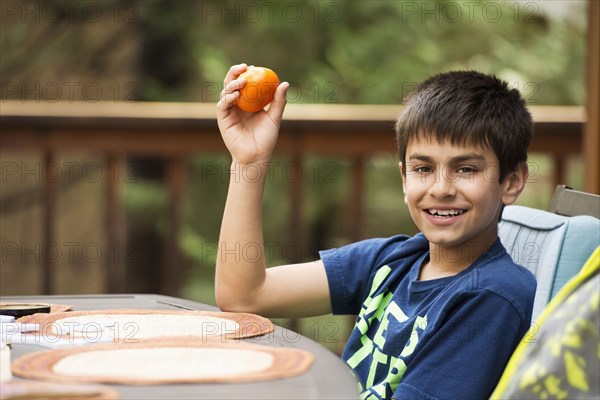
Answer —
130 325
165 361
47 391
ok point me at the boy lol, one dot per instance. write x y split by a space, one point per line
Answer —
440 313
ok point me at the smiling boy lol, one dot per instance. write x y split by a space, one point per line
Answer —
440 313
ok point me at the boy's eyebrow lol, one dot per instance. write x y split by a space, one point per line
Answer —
420 157
454 160
466 157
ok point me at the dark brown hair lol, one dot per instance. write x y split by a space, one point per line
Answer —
468 108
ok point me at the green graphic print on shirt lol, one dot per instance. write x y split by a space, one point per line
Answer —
418 339
380 309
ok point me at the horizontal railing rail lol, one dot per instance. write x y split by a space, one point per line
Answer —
176 131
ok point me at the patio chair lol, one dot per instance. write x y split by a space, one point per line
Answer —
569 202
552 246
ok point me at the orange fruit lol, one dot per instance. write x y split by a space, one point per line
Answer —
259 89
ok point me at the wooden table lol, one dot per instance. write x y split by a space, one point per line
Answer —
329 377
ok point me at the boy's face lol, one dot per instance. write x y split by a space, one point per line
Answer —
453 193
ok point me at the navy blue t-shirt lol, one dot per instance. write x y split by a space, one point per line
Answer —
447 338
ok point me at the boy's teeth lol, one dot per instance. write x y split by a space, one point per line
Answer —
444 213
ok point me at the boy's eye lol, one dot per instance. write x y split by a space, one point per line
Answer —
466 170
422 169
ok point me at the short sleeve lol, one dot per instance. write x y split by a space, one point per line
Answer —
350 269
464 357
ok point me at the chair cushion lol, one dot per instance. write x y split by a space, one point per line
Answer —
581 238
552 247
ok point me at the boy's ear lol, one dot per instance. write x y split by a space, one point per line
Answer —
514 183
403 175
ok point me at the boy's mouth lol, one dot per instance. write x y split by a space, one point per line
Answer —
445 213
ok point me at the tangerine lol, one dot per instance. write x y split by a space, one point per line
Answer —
259 90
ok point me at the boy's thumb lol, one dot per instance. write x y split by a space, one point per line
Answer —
279 101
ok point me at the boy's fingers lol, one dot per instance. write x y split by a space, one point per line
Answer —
279 101
228 99
234 72
233 86
230 93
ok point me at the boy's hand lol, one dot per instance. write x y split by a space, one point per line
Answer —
243 284
249 137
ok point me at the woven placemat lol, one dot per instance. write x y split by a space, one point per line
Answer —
46 390
164 361
128 325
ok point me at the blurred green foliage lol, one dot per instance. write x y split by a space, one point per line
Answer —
368 51
355 51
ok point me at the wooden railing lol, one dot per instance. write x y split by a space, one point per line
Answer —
176 131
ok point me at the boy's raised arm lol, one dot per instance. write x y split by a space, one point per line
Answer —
242 282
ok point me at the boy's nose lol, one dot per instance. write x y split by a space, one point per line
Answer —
443 186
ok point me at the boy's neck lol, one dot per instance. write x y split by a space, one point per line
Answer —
450 260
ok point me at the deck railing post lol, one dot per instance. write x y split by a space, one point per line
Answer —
116 230
172 264
591 134
357 197
48 223
297 184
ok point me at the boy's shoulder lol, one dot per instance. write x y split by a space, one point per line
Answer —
398 246
499 274
378 252
499 267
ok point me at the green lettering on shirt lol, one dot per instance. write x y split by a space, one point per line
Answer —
420 324
374 303
392 379
366 348
382 308
392 309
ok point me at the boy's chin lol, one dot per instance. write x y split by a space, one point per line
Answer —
444 241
